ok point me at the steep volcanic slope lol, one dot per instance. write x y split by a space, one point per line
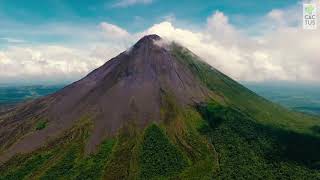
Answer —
157 111
128 87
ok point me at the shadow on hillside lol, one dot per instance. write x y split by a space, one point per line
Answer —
272 143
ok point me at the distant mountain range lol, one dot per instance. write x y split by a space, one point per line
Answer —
157 111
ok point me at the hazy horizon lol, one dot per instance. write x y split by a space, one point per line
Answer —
304 98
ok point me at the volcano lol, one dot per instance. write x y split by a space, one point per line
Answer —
157 111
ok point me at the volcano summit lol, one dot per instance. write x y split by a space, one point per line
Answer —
157 111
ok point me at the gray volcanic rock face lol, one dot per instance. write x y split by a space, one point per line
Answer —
129 87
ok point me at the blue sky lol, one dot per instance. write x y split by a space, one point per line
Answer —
133 17
63 40
21 19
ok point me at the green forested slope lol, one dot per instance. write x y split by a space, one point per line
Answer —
234 135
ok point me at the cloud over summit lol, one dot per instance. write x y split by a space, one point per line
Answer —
279 50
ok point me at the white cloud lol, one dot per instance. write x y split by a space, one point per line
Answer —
50 63
163 43
283 52
113 31
280 50
126 3
12 40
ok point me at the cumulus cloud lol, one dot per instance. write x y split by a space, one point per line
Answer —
22 62
40 62
279 50
47 64
285 52
126 3
113 31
